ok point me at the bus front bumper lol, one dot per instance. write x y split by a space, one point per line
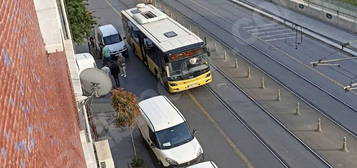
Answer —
179 86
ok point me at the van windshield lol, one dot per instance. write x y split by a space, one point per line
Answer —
112 39
174 136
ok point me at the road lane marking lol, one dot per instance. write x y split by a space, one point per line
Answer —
265 28
115 10
215 124
280 34
283 38
267 32
255 26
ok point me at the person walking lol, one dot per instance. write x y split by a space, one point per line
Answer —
121 63
106 54
114 70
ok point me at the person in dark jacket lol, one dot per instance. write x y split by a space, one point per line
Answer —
114 70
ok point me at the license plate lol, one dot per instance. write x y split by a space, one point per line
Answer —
192 85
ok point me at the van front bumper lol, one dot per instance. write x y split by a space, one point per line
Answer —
189 163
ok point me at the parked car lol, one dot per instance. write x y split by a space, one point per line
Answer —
167 133
84 61
108 35
207 164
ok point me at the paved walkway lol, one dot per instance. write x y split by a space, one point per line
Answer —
315 25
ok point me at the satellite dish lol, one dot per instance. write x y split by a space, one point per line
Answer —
95 81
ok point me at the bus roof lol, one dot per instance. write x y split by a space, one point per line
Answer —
165 32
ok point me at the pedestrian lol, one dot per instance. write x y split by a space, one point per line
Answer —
106 69
106 54
114 70
91 45
121 63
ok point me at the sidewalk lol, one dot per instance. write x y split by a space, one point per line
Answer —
326 32
102 113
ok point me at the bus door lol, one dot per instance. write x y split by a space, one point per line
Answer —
134 41
151 56
142 49
163 71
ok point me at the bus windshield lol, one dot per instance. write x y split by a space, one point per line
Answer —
112 39
188 66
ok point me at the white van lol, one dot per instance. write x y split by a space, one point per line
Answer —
107 35
167 133
208 164
84 61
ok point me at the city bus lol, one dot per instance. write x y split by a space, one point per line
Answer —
175 55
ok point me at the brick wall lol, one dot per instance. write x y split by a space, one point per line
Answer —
38 124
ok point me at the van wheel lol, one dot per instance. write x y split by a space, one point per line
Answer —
160 165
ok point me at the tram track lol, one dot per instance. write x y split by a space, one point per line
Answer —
252 130
245 124
267 55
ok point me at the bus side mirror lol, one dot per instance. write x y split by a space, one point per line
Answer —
208 52
167 71
152 145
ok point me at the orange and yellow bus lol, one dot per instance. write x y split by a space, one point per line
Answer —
175 55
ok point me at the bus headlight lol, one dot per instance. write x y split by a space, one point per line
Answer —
171 161
208 75
173 84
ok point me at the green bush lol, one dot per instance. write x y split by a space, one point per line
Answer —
81 21
353 2
137 163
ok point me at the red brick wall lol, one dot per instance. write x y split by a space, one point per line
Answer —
38 124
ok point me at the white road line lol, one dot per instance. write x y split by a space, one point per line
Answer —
255 26
265 28
279 38
273 35
268 32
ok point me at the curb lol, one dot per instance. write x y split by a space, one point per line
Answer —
314 34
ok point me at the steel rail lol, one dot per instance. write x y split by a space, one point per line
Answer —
245 124
236 115
237 53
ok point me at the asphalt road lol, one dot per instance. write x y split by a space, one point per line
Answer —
225 140
274 51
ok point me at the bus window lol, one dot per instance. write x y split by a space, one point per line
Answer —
189 65
133 31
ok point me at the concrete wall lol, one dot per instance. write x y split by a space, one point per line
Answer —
50 25
337 20
38 116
